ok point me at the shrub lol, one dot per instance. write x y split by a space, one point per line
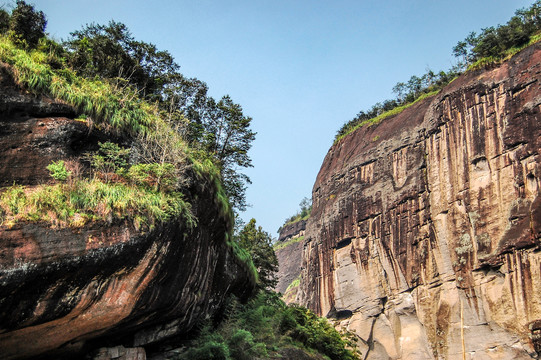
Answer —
109 159
208 347
58 170
160 177
4 21
26 25
243 347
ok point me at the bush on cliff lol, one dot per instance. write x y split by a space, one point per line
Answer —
496 43
264 326
303 213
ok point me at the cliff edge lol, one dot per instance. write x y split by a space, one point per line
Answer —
425 228
67 291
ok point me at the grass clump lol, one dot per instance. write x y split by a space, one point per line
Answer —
294 283
116 108
285 244
351 127
83 201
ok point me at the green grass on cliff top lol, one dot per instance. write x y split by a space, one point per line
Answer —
282 245
376 120
111 106
491 61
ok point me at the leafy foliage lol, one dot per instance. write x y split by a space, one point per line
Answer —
26 25
495 43
111 52
58 170
158 177
110 158
226 134
303 214
263 326
258 244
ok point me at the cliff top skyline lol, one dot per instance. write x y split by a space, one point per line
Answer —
300 69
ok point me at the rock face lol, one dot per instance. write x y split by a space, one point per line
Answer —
105 288
288 251
293 230
432 219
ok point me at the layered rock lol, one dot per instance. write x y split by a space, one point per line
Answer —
69 292
432 218
288 251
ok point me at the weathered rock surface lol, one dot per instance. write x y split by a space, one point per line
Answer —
68 292
433 218
290 231
288 251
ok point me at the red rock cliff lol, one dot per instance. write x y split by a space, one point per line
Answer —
433 218
67 292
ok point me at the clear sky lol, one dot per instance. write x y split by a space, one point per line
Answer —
299 68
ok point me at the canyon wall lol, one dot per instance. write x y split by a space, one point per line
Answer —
288 251
69 292
425 228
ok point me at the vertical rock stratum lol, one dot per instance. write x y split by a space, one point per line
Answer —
288 251
424 237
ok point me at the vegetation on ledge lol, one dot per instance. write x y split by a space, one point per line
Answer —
84 201
303 213
495 44
281 245
354 125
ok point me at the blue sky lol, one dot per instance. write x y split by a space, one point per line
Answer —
300 69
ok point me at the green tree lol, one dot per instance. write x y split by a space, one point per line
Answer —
226 134
112 52
26 25
258 243
219 127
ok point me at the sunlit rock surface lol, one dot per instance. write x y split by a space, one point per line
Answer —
433 218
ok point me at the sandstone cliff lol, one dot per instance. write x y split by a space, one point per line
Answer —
68 292
432 218
288 251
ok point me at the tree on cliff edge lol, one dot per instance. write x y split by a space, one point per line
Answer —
258 243
26 25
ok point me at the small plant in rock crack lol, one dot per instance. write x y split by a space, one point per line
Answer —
464 249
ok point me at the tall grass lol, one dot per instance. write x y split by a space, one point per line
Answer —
282 245
376 120
115 107
83 201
